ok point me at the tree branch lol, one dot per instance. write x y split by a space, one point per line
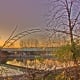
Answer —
21 35
61 31
76 20
10 36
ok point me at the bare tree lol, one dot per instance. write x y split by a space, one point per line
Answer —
13 38
64 17
23 43
36 43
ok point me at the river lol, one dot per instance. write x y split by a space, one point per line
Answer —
42 64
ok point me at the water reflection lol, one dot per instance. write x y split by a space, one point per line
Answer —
41 64
29 63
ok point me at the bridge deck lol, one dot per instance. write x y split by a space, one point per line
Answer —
30 49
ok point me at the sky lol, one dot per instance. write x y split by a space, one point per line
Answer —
28 14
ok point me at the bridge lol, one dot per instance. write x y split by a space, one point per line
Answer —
27 53
30 49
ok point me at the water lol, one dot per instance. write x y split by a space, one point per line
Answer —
41 64
32 63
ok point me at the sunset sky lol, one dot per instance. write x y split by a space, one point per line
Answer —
21 12
29 14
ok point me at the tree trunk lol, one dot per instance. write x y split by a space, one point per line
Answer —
73 50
